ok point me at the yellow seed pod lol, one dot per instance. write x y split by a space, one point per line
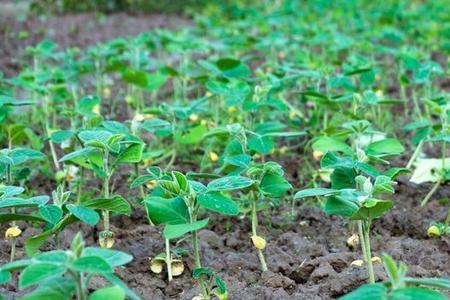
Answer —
147 162
379 93
376 260
256 156
283 149
213 156
156 265
357 263
96 109
199 297
151 184
325 174
139 117
353 241
281 55
193 117
148 116
221 296
317 154
106 239
232 109
433 231
258 242
12 232
208 94
106 92
177 267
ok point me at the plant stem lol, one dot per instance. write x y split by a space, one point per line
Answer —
447 219
106 191
254 225
13 250
415 154
430 193
168 260
366 230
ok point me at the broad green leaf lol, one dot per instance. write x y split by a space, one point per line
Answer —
61 288
343 178
113 257
274 185
61 135
385 147
376 209
91 264
115 204
7 217
367 292
229 183
132 154
341 205
217 202
161 210
261 144
51 213
5 276
143 179
85 214
175 231
325 144
413 293
315 192
116 281
193 136
110 293
35 273
83 152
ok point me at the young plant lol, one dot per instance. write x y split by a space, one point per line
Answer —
103 152
176 202
66 274
399 286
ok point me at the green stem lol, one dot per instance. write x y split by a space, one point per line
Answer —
447 219
168 260
430 193
262 260
106 191
366 230
415 154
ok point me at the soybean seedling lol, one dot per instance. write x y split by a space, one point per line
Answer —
400 286
72 271
176 202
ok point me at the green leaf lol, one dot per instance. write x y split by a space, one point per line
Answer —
261 144
51 213
194 135
413 293
115 204
367 292
341 205
35 273
87 104
274 185
61 135
113 257
161 210
376 209
175 231
429 282
325 144
116 281
229 183
131 154
315 192
143 179
110 293
91 264
61 288
385 147
217 202
7 217
343 178
5 276
87 215
83 152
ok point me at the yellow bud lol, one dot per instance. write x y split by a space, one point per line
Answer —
376 260
325 174
96 109
232 109
221 296
379 93
208 94
283 149
193 117
106 92
317 154
177 267
12 232
357 263
281 55
148 116
434 231
353 241
213 156
147 162
156 265
203 122
258 242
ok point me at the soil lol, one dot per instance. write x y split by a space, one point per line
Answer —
306 254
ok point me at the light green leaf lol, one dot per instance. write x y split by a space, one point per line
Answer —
229 183
175 231
35 273
217 202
